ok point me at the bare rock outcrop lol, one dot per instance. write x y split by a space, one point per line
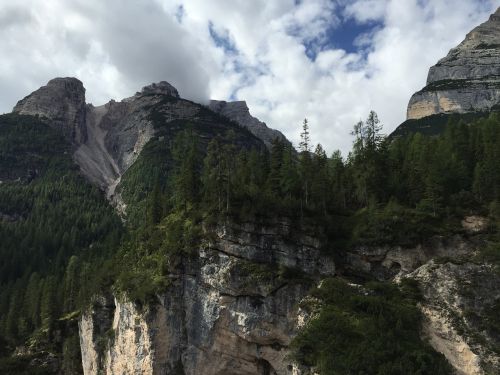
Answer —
232 310
238 112
393 262
460 301
107 139
62 103
467 79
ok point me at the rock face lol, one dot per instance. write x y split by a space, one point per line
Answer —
394 262
232 310
238 111
62 103
163 88
459 300
467 79
460 295
117 132
107 139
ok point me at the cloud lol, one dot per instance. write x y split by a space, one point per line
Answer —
276 55
114 47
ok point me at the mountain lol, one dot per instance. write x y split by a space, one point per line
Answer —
238 111
107 139
467 79
156 235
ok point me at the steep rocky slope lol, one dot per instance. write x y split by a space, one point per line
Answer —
460 300
62 102
467 79
232 310
460 292
238 111
232 305
107 139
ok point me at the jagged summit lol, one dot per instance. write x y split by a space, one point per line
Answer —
107 139
162 87
62 101
467 79
239 112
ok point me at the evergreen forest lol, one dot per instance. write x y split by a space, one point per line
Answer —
61 242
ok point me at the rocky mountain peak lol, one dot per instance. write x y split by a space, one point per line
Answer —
62 103
162 87
485 36
467 79
495 16
238 112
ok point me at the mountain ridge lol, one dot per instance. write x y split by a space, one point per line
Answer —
108 138
467 79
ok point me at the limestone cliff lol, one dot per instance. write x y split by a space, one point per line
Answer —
62 103
460 298
467 79
460 292
232 310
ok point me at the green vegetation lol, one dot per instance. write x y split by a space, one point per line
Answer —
53 227
372 329
62 242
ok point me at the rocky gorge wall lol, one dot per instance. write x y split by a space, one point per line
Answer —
233 310
460 292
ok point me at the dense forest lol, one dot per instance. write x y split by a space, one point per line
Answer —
53 224
62 242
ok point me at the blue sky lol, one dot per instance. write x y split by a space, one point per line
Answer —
348 33
331 61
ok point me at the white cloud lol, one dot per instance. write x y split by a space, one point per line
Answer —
115 47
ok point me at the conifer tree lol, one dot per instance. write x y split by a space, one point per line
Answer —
212 177
305 139
186 177
228 159
276 161
320 178
305 161
289 177
338 178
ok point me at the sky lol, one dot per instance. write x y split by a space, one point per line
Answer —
330 61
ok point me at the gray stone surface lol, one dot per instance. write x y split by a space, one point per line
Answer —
459 300
467 79
62 103
228 312
238 111
161 87
460 293
107 139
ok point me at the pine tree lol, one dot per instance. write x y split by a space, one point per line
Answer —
276 161
289 177
212 177
32 300
305 139
155 204
372 129
305 163
228 160
359 138
320 180
186 177
338 185
70 286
